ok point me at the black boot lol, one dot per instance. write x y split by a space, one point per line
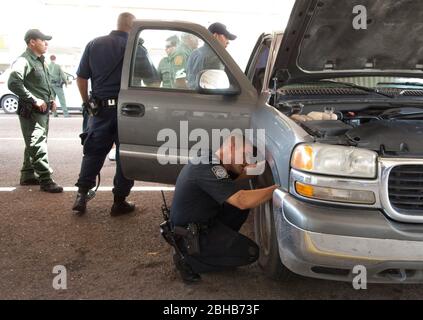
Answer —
30 182
50 186
121 207
185 270
80 204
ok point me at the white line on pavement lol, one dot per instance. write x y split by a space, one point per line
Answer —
49 139
136 189
7 189
74 189
55 119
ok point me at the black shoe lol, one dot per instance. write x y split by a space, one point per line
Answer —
80 204
30 182
185 270
121 207
50 186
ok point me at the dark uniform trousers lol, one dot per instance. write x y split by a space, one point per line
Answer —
101 134
222 246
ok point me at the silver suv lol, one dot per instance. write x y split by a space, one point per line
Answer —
340 97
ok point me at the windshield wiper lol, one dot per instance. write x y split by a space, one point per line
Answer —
416 84
356 86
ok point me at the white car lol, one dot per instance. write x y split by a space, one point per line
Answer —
8 101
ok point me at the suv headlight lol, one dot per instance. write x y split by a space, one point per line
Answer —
335 160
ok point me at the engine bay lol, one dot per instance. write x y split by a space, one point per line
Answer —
396 131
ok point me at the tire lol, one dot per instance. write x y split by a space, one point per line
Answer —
9 103
265 235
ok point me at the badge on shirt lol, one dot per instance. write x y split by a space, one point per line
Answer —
178 60
220 172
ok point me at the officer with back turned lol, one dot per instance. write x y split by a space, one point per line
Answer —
102 63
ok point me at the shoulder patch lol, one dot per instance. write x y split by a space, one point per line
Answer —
220 172
178 60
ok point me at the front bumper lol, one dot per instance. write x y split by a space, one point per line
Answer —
328 242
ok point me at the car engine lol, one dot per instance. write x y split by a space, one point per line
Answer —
390 132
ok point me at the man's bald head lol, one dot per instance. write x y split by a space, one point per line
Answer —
190 40
125 21
235 152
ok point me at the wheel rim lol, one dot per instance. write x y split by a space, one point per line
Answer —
10 104
265 227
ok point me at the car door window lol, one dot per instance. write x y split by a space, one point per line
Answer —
176 60
259 67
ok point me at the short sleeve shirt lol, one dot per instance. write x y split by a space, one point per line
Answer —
201 59
102 62
200 192
30 78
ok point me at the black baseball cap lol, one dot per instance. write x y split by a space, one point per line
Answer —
172 41
220 28
35 34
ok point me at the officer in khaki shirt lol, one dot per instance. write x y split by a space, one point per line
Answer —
188 44
167 67
58 80
30 81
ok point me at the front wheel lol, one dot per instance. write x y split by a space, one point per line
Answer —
9 103
265 235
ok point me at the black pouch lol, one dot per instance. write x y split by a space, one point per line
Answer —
192 239
92 107
24 110
83 136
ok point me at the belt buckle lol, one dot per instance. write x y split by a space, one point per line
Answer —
111 102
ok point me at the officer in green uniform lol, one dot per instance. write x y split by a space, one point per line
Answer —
58 79
188 44
30 81
167 67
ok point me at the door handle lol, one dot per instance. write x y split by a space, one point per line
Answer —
133 110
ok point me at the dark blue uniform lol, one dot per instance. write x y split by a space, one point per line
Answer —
201 59
102 63
200 197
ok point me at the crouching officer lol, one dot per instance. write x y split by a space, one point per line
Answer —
209 207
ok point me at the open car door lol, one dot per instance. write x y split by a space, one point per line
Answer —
161 115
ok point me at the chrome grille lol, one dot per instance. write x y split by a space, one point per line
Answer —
405 187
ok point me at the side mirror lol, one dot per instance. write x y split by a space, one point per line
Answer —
215 82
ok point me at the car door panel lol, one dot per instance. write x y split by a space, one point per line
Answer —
164 109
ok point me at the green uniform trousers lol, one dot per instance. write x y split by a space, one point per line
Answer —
34 131
59 92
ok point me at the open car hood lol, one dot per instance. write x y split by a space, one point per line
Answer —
320 40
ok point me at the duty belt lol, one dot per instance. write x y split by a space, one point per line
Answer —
107 103
184 230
